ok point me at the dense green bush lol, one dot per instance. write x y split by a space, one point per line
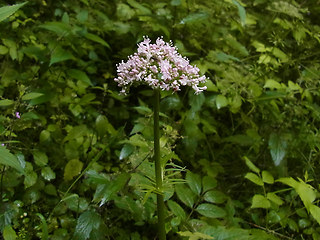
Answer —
76 157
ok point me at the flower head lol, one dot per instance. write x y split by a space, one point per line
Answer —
160 66
18 115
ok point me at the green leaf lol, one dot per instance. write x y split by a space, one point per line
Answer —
76 132
60 55
185 195
40 158
241 11
259 201
60 28
48 174
251 166
254 178
195 17
79 75
274 198
272 84
211 211
195 235
215 196
176 209
3 50
96 39
221 101
315 212
44 226
208 183
31 95
8 232
126 151
6 102
88 222
7 11
72 169
8 159
194 182
142 10
267 177
278 147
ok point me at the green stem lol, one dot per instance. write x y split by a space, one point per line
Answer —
158 167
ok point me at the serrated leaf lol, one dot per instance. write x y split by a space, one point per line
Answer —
278 148
194 182
6 102
31 95
79 75
251 166
7 11
176 209
267 177
221 101
211 211
72 169
185 195
8 159
254 178
60 55
87 222
259 201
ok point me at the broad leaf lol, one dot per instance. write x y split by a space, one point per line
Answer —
211 211
215 196
6 102
8 159
60 55
72 169
254 178
194 182
176 209
79 75
31 95
278 148
267 177
87 222
7 11
259 201
185 195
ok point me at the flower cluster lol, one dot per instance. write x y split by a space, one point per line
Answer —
158 65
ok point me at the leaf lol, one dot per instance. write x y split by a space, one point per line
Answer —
79 75
241 11
7 11
87 222
221 101
6 102
8 232
44 226
272 84
126 151
195 17
215 196
76 132
211 211
194 182
259 201
72 169
60 28
96 39
254 178
60 55
208 183
8 159
274 198
195 235
142 10
278 147
31 95
315 212
267 177
40 158
48 174
185 195
3 50
176 209
251 166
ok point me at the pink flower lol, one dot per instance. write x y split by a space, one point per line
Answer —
18 115
158 65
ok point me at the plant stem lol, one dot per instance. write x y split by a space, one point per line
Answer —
158 167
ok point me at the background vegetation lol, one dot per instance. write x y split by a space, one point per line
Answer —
242 158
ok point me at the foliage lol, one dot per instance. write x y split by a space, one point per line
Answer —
76 158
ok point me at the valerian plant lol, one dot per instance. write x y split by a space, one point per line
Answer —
161 67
